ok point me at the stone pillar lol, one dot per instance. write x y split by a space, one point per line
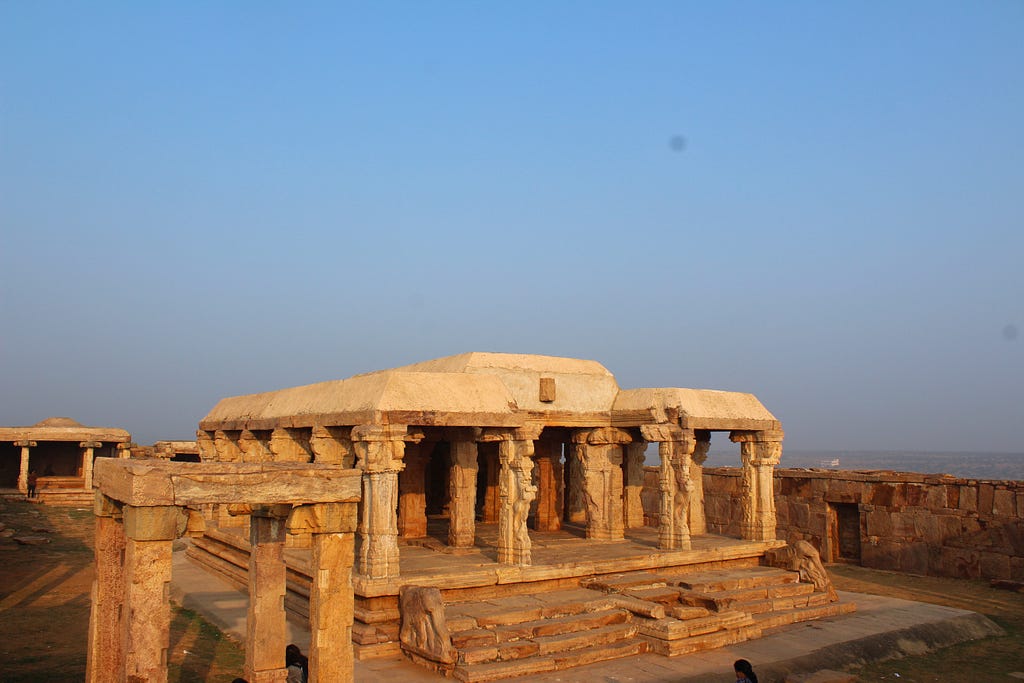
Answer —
412 492
266 635
760 452
253 449
88 450
290 445
146 615
332 445
492 499
124 450
575 499
104 659
632 502
698 521
24 469
462 488
674 448
549 486
602 480
380 449
330 598
517 491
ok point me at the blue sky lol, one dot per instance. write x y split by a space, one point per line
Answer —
818 203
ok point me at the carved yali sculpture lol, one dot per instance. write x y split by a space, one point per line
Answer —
424 630
802 557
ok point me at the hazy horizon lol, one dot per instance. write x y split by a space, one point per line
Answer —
816 204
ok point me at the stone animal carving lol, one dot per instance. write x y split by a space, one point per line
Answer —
803 558
424 630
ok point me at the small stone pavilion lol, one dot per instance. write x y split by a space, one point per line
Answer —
490 476
61 452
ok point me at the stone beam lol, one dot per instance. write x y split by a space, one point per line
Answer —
156 482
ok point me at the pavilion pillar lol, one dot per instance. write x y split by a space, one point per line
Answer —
23 469
380 449
146 613
88 451
516 491
412 492
575 498
549 486
331 602
462 488
266 634
492 501
602 480
760 452
674 448
698 520
104 659
124 450
632 501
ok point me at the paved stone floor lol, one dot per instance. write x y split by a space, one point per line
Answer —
877 624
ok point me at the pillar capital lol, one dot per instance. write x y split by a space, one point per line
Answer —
529 432
290 445
602 436
323 518
453 434
663 432
380 432
25 444
90 444
104 506
759 436
254 449
158 523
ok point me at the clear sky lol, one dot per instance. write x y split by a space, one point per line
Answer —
818 203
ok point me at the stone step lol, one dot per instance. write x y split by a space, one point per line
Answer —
617 583
492 671
522 608
735 579
676 629
700 643
741 597
547 645
479 637
779 618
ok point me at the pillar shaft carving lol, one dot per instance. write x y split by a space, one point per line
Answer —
379 451
105 654
601 461
462 491
760 453
698 520
516 491
675 445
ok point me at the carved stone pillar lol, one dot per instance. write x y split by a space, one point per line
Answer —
331 598
632 501
254 449
575 498
515 450
266 634
674 448
549 486
88 449
462 488
379 449
492 500
104 659
332 445
290 445
23 468
760 452
412 492
698 521
146 615
602 480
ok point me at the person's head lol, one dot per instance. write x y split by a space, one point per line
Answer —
292 654
743 669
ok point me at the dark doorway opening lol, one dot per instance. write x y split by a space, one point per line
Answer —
844 532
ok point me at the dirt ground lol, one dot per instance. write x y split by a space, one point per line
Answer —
44 612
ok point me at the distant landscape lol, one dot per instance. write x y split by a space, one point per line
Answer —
967 465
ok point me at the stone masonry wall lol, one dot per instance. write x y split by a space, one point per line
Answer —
925 524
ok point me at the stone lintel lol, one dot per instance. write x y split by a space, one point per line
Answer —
160 523
380 432
663 432
727 424
603 436
156 482
759 436
324 518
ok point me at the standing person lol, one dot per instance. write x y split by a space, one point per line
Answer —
744 672
297 663
32 479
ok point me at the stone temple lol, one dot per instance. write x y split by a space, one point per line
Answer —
487 515
504 525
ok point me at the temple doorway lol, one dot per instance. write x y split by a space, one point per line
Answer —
10 465
844 532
